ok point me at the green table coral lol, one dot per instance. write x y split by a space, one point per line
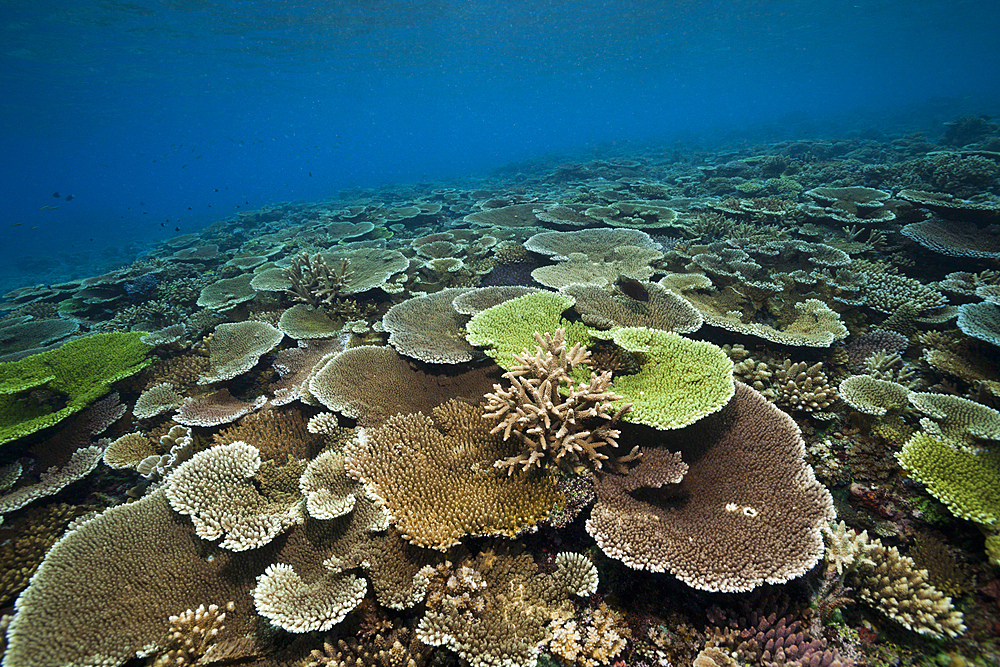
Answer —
680 381
67 379
508 328
962 480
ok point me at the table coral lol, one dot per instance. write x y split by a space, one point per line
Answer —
962 480
509 327
435 475
748 510
217 489
75 374
680 380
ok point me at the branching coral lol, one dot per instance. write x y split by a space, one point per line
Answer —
314 282
891 583
554 428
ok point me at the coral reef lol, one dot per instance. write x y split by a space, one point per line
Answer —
503 421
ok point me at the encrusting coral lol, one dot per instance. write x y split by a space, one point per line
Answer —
557 420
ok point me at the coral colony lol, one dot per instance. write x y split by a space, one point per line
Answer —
648 409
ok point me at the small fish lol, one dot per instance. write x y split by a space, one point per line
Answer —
17 224
56 195
183 165
102 164
631 288
69 197
35 227
162 225
142 203
177 229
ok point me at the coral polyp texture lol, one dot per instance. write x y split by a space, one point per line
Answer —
747 511
436 475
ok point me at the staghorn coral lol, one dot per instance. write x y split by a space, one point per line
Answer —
729 524
557 420
436 477
891 583
313 282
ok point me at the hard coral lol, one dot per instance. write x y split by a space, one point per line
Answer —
314 282
554 428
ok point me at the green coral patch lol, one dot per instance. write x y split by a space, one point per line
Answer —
508 328
680 381
73 376
964 481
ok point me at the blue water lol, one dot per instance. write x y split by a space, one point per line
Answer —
165 116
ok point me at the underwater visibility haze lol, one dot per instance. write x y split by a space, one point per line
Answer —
385 333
